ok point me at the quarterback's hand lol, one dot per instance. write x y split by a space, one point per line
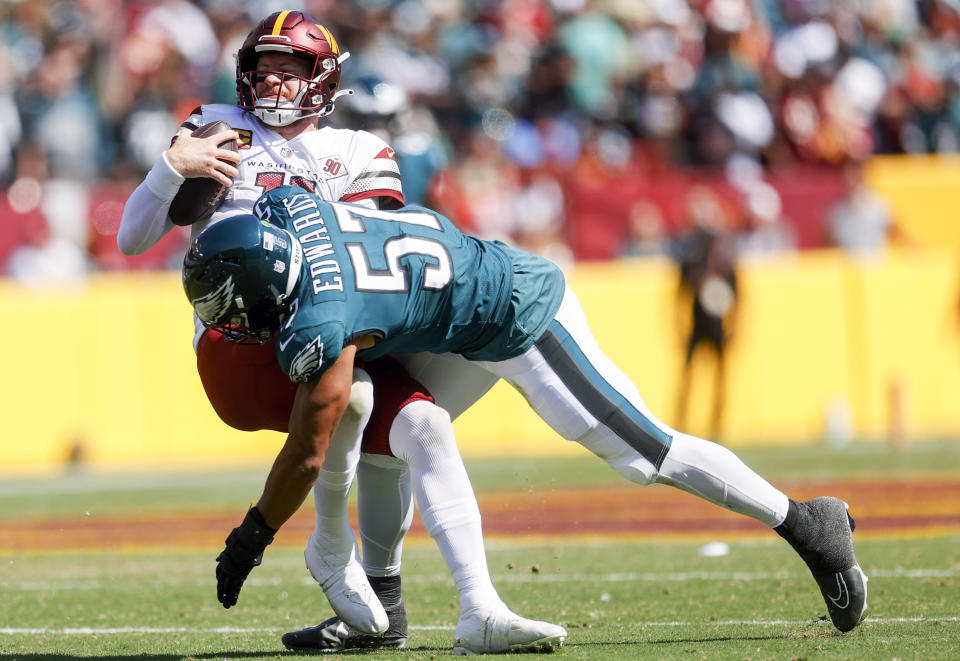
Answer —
244 551
203 157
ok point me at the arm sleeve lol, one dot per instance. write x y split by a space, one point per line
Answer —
144 221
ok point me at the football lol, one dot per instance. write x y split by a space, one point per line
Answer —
200 196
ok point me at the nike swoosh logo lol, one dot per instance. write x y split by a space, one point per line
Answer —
843 595
283 345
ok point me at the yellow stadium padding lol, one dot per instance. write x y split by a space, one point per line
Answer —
827 347
922 194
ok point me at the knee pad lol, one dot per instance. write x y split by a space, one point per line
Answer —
601 441
421 427
360 405
343 453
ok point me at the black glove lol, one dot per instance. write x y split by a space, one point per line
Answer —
244 551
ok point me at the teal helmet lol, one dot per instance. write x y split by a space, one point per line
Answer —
238 275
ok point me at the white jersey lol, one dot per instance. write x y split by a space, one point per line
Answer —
336 164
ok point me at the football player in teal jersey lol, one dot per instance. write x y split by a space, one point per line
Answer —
337 283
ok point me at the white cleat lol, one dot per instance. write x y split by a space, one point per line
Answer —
501 631
347 589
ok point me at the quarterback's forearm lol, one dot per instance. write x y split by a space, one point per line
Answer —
144 221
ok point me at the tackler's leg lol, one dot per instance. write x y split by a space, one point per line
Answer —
454 382
385 512
332 555
423 436
585 397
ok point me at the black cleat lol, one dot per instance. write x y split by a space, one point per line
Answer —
821 531
334 636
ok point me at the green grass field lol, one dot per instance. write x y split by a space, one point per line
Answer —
618 598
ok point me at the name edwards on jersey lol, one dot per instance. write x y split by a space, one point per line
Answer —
311 230
409 280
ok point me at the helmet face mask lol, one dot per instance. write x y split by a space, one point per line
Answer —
239 275
225 311
292 33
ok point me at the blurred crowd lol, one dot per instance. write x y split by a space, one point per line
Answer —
500 110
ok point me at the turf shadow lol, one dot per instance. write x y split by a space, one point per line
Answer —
206 655
149 657
672 641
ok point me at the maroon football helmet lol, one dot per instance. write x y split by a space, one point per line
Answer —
293 33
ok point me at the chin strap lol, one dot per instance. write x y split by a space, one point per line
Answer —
327 109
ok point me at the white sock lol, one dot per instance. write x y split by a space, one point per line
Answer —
332 529
716 474
422 436
385 512
333 532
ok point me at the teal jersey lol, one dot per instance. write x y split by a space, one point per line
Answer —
409 279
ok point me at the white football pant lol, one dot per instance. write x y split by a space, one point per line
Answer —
586 398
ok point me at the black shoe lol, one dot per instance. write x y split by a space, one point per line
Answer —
821 531
333 635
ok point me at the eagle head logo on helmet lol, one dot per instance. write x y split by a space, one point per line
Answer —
299 34
213 306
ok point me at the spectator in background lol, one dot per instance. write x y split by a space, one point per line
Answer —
10 128
482 187
54 224
384 109
59 111
730 116
725 84
598 46
765 232
860 223
706 296
167 62
646 231
538 212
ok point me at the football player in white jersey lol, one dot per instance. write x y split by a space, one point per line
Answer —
288 76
